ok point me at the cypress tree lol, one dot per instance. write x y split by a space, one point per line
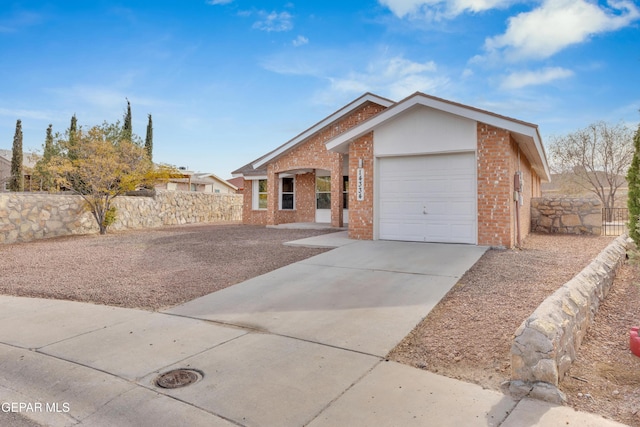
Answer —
127 128
41 168
17 179
48 144
74 124
633 199
73 128
148 142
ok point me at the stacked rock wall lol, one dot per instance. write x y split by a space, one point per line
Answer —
566 215
546 343
30 216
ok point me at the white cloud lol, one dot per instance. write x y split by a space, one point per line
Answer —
300 41
438 9
522 79
217 2
274 21
387 74
557 24
395 77
26 114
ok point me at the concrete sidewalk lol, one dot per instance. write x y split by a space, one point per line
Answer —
303 345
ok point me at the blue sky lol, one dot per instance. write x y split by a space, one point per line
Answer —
228 80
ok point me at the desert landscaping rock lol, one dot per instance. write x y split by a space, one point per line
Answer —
160 268
546 343
31 216
149 269
568 215
504 288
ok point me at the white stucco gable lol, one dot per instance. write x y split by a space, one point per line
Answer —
425 130
525 134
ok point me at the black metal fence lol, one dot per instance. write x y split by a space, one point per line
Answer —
614 221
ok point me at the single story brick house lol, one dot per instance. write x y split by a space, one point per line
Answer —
421 169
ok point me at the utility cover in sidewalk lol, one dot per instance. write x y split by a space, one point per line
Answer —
178 378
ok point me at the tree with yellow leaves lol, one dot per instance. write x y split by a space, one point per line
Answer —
101 164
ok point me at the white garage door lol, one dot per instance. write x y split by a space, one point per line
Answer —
428 198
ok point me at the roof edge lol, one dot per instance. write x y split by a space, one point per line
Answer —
339 142
367 97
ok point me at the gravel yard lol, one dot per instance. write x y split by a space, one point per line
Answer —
150 269
467 336
469 333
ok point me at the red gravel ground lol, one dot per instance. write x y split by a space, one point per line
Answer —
467 336
150 269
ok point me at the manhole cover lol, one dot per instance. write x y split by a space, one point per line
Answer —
178 378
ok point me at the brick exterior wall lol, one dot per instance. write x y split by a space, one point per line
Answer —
494 186
497 164
530 181
305 188
498 159
312 154
361 212
249 215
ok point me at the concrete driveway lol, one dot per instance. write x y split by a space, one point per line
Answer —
303 345
365 296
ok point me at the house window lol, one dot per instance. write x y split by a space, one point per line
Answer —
345 192
194 187
323 192
287 193
260 194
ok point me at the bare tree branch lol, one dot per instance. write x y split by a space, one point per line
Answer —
595 158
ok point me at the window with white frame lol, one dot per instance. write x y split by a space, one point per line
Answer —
287 194
259 194
345 192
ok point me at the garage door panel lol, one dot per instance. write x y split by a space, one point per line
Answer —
442 185
398 209
463 208
462 233
434 186
402 230
462 186
433 207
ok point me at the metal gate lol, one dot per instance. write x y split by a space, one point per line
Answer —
614 221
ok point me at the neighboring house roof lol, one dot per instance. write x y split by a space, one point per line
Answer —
526 134
201 178
29 160
216 178
237 182
258 166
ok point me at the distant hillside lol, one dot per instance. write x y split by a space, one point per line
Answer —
565 185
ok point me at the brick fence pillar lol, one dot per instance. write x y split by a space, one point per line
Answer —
272 196
337 203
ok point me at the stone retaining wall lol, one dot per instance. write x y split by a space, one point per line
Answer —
29 216
566 215
546 343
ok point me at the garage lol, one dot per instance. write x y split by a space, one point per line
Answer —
428 198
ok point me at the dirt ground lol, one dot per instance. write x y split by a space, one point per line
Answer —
147 269
469 333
